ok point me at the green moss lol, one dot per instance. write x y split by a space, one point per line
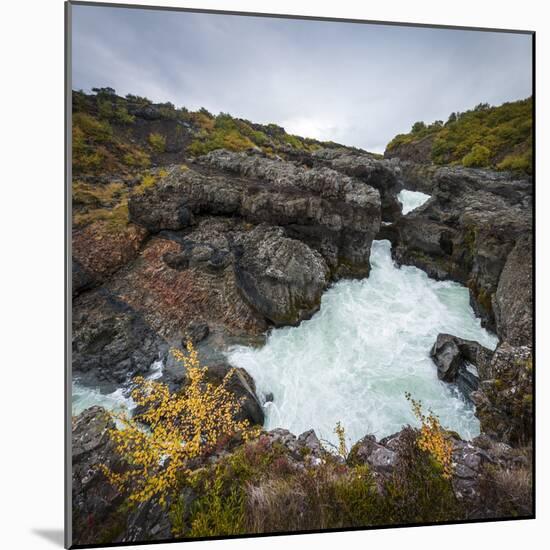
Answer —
484 298
157 142
470 239
116 217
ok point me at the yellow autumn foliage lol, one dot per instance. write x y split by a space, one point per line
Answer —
433 439
172 429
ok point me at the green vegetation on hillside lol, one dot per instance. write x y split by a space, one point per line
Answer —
123 135
496 137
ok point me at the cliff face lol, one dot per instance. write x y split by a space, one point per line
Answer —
187 225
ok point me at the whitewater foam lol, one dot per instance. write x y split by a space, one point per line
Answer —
367 346
84 396
411 199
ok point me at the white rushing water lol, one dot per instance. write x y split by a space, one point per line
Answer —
367 346
411 199
119 400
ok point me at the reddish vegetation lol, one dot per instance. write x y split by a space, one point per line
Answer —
169 299
102 251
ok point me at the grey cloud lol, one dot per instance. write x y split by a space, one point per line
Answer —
357 84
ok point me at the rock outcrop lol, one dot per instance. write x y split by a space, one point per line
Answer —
98 514
474 464
369 170
111 341
332 213
99 251
513 300
95 501
466 232
458 361
281 278
504 401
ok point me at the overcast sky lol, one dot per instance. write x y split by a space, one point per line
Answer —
357 84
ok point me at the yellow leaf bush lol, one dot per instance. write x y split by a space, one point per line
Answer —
172 429
433 439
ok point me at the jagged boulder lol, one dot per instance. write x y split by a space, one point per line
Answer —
243 387
373 172
281 278
95 502
368 451
458 361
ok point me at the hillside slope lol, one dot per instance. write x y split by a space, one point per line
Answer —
121 135
483 137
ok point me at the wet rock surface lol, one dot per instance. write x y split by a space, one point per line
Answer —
458 361
466 231
111 341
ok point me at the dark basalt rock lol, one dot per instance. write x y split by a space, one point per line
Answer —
367 451
82 279
474 462
504 401
196 331
513 302
373 172
419 152
242 385
459 360
95 501
466 231
98 514
281 278
306 447
111 341
333 213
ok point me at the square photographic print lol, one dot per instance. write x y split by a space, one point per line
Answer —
300 295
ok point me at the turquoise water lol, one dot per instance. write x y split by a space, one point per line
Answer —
367 346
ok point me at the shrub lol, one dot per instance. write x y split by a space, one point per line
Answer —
478 157
220 511
508 491
417 127
136 158
503 130
433 439
517 163
181 427
417 491
157 142
92 128
114 110
342 446
138 100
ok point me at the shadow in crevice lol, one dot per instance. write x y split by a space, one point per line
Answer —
53 535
